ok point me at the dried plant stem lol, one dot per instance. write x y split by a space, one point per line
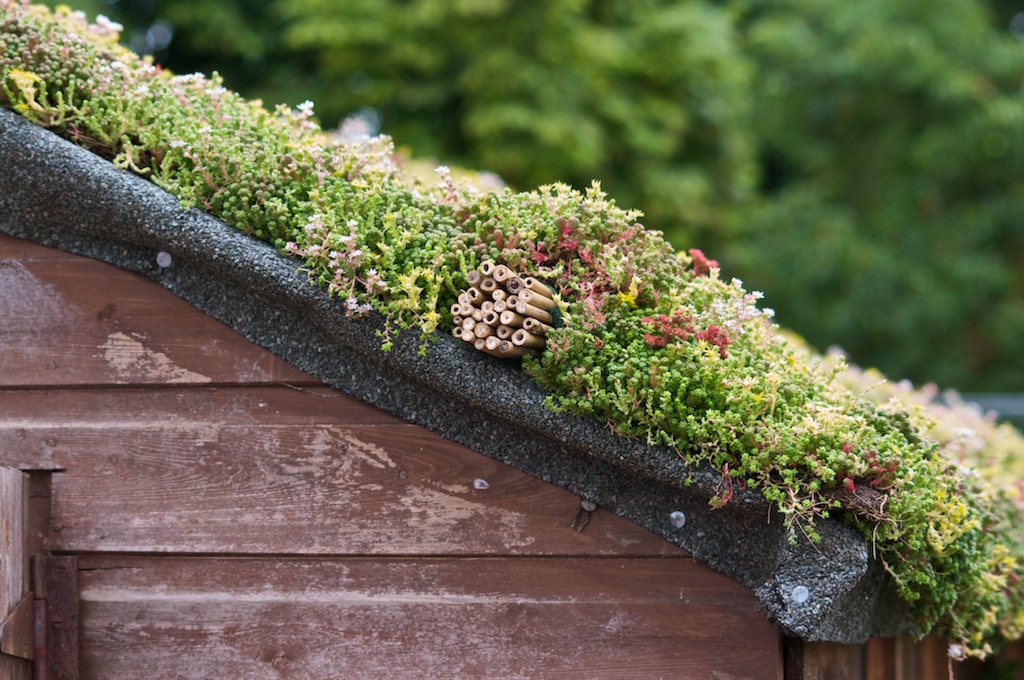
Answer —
523 339
503 314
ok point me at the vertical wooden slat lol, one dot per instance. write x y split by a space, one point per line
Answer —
823 661
880 659
14 579
933 658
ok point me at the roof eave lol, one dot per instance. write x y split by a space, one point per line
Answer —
55 193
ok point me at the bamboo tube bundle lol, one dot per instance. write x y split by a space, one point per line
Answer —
503 314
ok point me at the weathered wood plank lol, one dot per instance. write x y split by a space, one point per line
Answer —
14 570
882 659
278 470
316 489
419 618
34 422
833 661
68 320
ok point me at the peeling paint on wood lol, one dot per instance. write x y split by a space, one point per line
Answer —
321 536
131 361
311 490
68 320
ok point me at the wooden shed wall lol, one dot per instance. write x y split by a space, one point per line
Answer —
233 517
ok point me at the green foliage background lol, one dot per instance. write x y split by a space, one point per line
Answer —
862 163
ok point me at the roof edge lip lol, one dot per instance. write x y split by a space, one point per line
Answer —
63 196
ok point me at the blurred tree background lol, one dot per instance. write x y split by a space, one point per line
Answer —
862 163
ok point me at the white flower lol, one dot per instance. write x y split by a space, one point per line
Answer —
442 169
189 78
108 26
306 108
955 651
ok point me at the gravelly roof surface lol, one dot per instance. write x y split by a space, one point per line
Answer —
57 194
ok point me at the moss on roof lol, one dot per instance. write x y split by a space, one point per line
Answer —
656 345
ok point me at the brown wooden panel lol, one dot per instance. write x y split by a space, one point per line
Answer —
35 423
419 618
318 489
278 470
881 659
14 572
832 661
68 320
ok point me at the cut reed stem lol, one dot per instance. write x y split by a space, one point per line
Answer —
536 299
523 339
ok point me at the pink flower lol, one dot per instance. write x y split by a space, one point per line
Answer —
701 264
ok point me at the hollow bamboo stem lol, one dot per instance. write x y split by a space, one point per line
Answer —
473 277
523 339
510 318
538 287
504 332
527 309
531 325
509 350
536 299
502 273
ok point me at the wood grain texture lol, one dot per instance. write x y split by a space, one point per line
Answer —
881 659
14 570
832 661
69 320
419 618
282 471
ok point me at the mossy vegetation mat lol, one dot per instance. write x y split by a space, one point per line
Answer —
656 344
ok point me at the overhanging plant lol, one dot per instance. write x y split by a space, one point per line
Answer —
654 343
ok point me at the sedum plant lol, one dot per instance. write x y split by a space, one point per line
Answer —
654 343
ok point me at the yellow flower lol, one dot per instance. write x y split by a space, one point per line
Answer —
26 82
